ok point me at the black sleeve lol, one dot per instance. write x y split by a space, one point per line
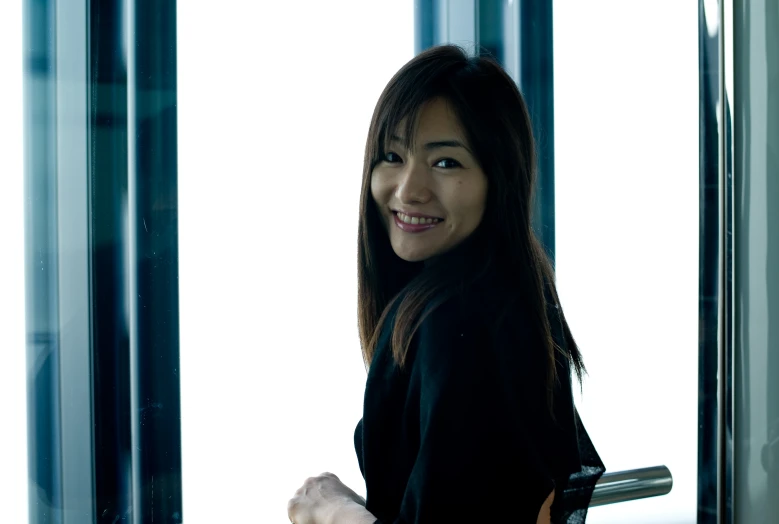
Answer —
475 463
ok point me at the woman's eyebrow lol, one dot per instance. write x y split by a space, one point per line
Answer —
436 144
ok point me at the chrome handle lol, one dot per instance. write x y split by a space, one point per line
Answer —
622 486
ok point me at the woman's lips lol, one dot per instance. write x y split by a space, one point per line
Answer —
413 228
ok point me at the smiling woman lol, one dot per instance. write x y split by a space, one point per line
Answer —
470 356
429 191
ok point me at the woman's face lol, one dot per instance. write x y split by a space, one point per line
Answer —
430 197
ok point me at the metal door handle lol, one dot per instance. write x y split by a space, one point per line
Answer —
634 484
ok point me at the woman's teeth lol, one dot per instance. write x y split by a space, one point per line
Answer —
416 220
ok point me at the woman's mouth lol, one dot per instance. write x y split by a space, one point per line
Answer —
411 224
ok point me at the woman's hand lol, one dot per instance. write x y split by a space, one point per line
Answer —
326 500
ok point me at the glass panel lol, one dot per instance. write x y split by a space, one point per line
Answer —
274 106
756 246
13 390
626 183
711 316
101 261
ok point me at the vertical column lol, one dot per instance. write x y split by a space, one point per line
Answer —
769 452
756 250
536 81
101 261
153 261
41 263
725 294
108 241
709 261
73 209
425 34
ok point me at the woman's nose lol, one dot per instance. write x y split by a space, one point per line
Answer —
413 186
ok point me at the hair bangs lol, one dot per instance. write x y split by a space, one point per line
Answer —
400 117
397 113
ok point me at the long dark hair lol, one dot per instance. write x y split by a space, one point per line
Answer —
495 118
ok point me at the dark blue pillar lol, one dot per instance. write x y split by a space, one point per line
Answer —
104 430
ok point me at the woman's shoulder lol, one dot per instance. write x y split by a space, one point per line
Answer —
485 310
465 327
488 329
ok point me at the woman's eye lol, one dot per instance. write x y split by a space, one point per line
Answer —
391 157
448 163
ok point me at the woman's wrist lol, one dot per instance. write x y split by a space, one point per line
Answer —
352 512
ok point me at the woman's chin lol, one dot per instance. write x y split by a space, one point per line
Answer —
413 255
411 258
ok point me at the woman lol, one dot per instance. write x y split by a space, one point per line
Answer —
468 411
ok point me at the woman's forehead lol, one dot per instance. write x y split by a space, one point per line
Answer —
435 120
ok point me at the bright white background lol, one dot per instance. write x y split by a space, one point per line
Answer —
274 99
626 183
13 391
274 104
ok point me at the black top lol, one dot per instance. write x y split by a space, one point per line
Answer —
463 432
